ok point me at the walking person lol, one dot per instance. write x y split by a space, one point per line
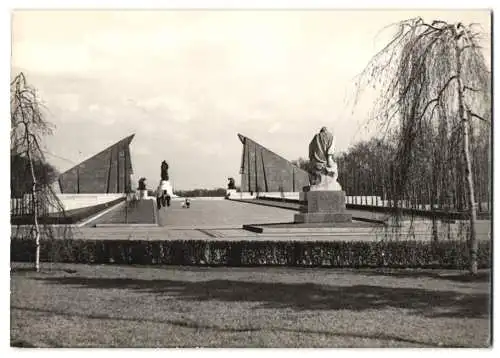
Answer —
163 194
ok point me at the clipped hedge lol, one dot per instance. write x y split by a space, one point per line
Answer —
353 254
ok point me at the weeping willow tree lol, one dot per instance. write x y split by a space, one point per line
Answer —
432 86
28 127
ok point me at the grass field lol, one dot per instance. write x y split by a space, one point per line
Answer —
70 305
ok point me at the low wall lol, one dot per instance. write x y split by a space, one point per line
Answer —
278 195
69 217
243 195
22 206
77 201
365 199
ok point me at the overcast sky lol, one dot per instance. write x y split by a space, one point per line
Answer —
186 82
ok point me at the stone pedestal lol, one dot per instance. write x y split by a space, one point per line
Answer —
327 183
230 193
143 194
320 206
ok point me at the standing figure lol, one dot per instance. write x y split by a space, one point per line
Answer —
164 170
231 184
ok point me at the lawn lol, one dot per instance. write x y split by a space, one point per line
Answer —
70 305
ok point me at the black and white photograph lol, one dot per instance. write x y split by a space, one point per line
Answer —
251 178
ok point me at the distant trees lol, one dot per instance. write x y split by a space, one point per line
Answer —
364 169
21 181
217 192
301 163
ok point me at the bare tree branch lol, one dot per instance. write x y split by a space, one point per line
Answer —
413 76
28 127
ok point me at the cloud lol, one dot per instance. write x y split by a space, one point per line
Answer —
94 107
176 109
66 101
142 150
274 128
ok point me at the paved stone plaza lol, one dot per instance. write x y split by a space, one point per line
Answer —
216 219
221 213
211 219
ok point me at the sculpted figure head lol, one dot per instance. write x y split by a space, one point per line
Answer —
320 146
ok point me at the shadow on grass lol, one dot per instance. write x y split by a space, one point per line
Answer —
298 296
196 325
22 269
19 343
43 270
482 276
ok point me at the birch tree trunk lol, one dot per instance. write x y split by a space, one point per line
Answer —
465 119
34 198
473 244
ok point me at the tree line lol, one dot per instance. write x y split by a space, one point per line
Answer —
21 180
216 192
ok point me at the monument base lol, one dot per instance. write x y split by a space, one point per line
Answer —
230 193
322 218
327 183
324 201
323 206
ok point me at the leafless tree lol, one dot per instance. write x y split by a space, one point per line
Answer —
432 78
28 127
